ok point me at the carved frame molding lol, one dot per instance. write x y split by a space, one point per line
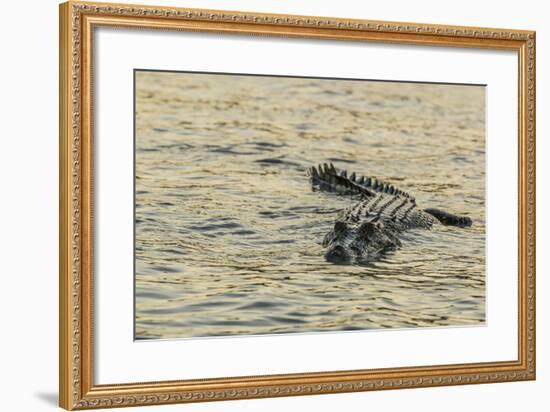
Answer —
77 21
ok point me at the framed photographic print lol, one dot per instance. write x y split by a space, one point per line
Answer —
257 205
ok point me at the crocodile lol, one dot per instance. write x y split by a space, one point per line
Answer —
375 223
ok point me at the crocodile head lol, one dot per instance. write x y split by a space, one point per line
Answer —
348 244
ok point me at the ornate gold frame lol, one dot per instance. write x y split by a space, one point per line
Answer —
77 22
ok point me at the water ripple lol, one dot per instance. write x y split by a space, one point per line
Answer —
228 230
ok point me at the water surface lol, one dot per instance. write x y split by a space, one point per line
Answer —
228 230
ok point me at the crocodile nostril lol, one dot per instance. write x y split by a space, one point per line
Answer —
338 254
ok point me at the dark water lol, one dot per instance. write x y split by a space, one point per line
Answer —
228 230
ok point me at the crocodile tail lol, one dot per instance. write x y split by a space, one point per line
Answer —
327 177
449 219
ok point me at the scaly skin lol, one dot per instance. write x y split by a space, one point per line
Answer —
373 225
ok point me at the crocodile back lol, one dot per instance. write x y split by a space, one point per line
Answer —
396 211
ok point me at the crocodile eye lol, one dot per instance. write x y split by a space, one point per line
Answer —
340 227
368 228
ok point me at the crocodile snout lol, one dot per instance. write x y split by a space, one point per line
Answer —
338 254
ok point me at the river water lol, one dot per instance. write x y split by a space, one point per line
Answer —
228 230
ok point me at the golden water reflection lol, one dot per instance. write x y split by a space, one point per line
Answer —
228 230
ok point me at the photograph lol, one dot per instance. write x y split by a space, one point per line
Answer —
271 204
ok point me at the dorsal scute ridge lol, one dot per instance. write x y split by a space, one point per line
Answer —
327 176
